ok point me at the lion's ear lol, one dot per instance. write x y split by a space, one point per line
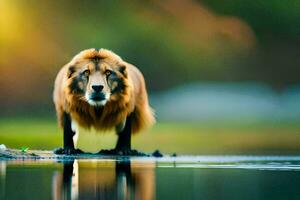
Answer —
123 70
71 71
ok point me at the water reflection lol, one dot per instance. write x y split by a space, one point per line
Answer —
65 184
81 180
211 177
2 179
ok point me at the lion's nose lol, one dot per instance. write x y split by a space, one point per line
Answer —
97 88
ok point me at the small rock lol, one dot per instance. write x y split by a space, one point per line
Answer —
157 154
34 154
2 147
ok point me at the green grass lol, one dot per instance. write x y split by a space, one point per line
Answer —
177 138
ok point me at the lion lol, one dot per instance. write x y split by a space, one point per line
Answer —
97 89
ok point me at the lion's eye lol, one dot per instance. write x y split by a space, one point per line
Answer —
86 72
108 72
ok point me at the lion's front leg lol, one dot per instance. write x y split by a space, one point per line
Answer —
124 137
70 137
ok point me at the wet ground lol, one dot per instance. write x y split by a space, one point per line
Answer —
181 177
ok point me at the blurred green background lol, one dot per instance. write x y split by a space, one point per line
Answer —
223 76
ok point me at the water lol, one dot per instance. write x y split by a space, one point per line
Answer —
200 177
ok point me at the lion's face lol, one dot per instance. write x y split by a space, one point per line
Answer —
96 81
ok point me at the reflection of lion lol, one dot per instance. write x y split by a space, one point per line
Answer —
98 89
104 180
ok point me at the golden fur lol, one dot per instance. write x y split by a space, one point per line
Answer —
132 99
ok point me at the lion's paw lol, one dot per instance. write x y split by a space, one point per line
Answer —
122 152
67 151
